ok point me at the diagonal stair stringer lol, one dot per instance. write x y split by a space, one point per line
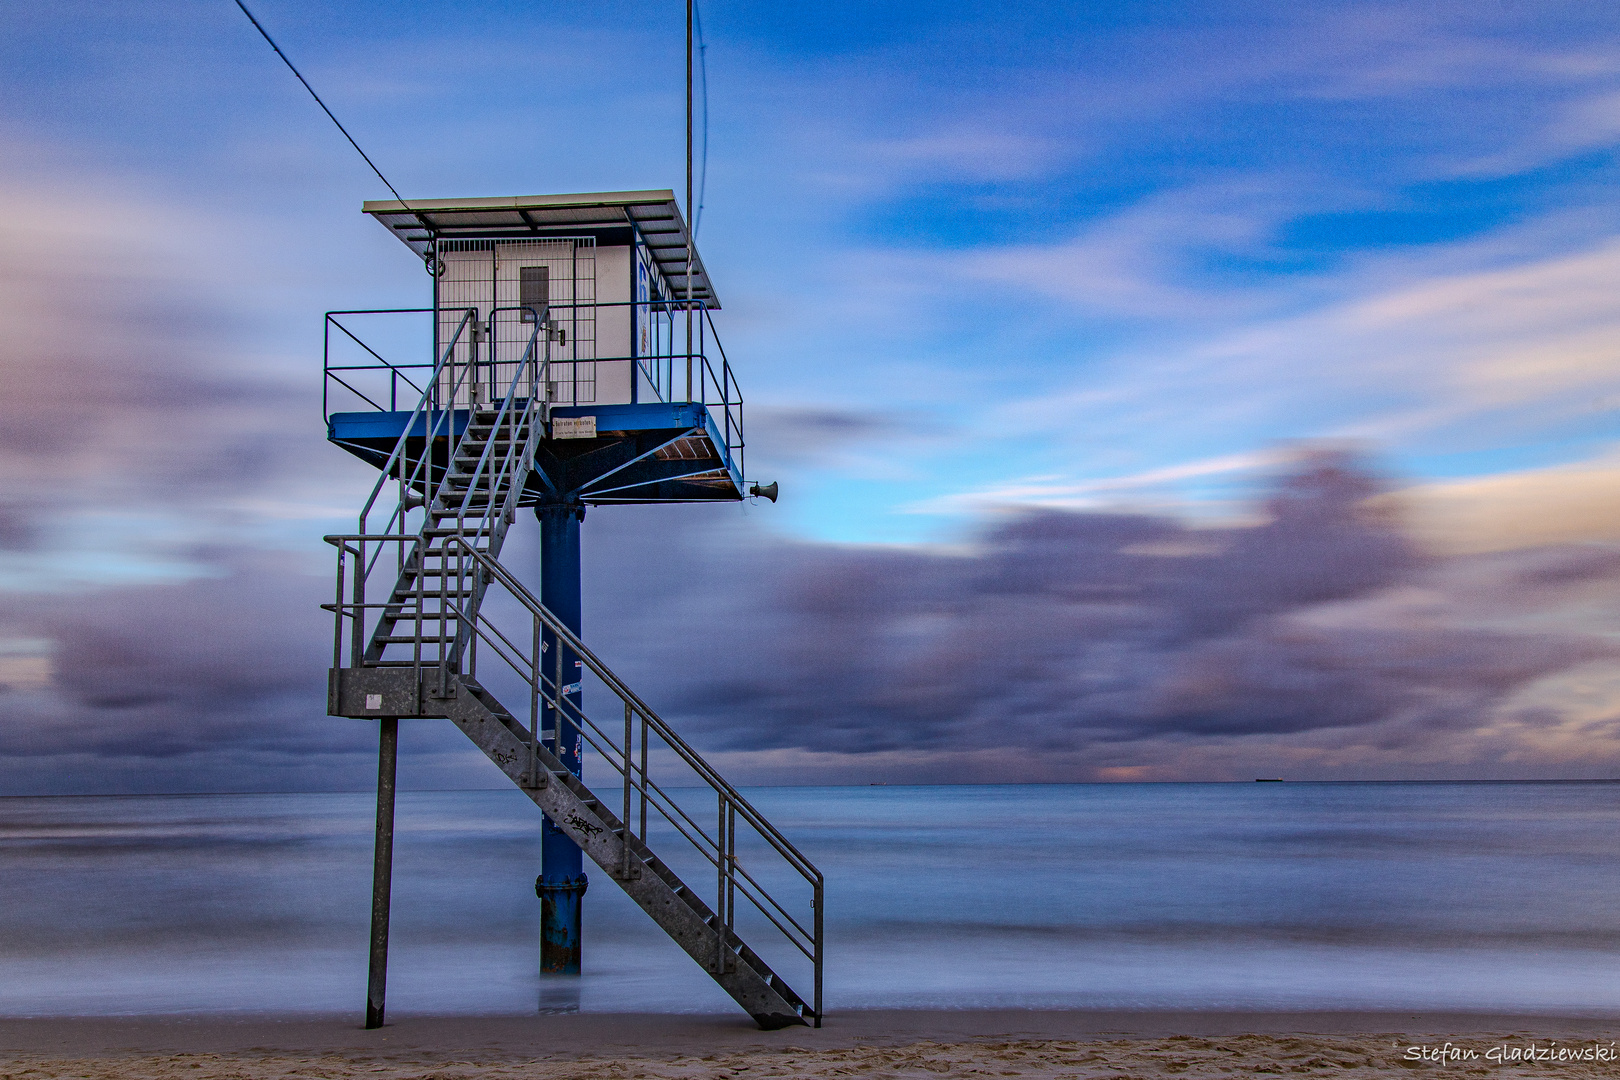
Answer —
653 886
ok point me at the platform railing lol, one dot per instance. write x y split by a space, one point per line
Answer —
377 383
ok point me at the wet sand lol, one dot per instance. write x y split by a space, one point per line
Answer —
900 1044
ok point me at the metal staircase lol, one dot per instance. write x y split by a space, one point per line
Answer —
412 630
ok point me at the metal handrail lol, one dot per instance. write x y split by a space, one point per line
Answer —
497 572
503 414
425 402
326 346
490 473
716 847
723 382
714 383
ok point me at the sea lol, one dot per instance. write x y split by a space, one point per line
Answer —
1501 897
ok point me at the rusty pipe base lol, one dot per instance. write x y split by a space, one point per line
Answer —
560 909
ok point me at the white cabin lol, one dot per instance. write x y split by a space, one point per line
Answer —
605 273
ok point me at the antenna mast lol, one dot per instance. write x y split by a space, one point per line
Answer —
689 239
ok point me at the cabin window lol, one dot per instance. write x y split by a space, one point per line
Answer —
534 291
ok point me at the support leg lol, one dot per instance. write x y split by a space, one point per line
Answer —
561 884
382 873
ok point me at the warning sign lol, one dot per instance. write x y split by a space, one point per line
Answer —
573 427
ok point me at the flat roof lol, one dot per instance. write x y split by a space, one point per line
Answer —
654 213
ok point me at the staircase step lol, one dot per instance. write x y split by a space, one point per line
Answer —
458 489
750 982
458 480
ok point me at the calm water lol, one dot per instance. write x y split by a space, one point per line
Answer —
1466 896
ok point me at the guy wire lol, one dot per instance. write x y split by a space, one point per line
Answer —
266 34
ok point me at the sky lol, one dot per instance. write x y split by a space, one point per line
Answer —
1171 391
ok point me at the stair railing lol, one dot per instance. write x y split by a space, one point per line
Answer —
524 653
417 475
498 479
422 484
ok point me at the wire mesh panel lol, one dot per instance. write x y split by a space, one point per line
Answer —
554 279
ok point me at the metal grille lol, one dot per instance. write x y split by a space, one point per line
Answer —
496 278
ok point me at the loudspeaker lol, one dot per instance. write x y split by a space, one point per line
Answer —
764 491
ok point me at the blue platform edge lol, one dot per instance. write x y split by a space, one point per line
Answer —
348 426
352 427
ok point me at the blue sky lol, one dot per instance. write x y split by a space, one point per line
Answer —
977 261
1062 254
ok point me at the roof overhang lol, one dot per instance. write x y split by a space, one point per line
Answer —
654 214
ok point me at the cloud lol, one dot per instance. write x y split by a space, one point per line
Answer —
152 638
1063 493
1058 646
795 434
17 532
209 683
850 443
1066 645
1481 348
1562 504
142 414
1151 259
1580 124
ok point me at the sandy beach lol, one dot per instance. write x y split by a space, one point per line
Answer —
932 1045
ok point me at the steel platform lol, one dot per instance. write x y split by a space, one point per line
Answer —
649 452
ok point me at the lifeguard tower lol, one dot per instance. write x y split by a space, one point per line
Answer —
573 363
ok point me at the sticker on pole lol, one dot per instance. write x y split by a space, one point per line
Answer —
373 701
573 427
571 688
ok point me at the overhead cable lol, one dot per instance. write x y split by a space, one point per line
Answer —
266 34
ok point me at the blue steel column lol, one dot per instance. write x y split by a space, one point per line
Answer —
561 883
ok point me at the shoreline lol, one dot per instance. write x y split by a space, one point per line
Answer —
651 1034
